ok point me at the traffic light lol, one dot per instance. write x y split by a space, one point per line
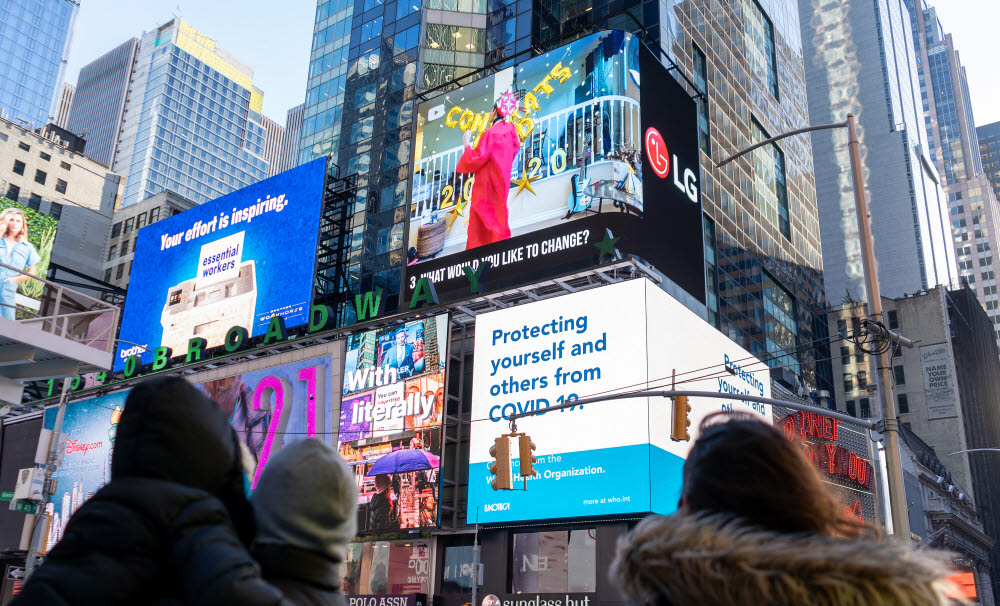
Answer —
501 467
525 446
682 420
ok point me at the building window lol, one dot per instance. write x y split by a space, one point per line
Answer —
902 403
44 156
770 190
124 248
866 409
107 275
61 186
34 201
841 327
563 561
40 176
848 382
140 220
900 376
24 146
380 567
18 167
780 325
859 356
893 320
120 272
711 276
13 192
128 225
458 562
850 408
112 251
116 230
154 215
701 82
862 379
65 165
845 355
758 39
55 210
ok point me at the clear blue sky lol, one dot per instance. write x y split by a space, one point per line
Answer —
273 38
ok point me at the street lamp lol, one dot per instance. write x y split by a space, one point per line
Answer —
897 500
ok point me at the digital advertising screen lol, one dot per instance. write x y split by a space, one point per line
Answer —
238 260
608 458
26 238
90 427
391 414
570 158
272 407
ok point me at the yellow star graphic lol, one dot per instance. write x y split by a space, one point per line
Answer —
524 183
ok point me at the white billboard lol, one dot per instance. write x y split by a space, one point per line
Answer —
607 458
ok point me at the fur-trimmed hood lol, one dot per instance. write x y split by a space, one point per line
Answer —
685 560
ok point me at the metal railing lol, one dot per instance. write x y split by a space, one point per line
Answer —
66 313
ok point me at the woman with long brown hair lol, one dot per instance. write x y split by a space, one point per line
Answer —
757 526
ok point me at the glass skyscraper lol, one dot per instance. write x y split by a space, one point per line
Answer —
372 61
952 143
34 45
989 153
192 124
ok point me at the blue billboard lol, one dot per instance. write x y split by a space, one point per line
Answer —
238 260
90 426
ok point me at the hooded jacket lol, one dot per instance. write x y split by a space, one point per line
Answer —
306 506
686 560
168 526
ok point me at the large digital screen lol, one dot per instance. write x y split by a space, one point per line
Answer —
26 238
90 427
609 458
390 422
274 406
238 260
581 161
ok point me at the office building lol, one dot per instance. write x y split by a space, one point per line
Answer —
99 102
192 120
989 152
274 135
291 139
946 386
954 147
761 226
34 48
47 174
860 59
116 259
65 103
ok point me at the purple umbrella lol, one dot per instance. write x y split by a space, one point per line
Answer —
404 459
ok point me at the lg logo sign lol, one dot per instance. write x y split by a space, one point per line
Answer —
659 159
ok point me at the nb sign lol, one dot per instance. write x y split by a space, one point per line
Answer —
659 159
496 507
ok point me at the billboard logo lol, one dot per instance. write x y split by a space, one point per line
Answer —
496 507
656 150
659 159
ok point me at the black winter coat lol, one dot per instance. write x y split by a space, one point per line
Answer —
171 525
304 577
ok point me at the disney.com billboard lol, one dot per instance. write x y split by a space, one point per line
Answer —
613 457
552 166
238 260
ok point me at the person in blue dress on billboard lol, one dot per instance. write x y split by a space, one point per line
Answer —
17 254
400 355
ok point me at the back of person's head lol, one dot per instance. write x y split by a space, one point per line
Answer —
307 498
170 431
743 467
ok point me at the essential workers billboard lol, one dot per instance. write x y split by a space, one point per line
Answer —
608 458
554 165
238 260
